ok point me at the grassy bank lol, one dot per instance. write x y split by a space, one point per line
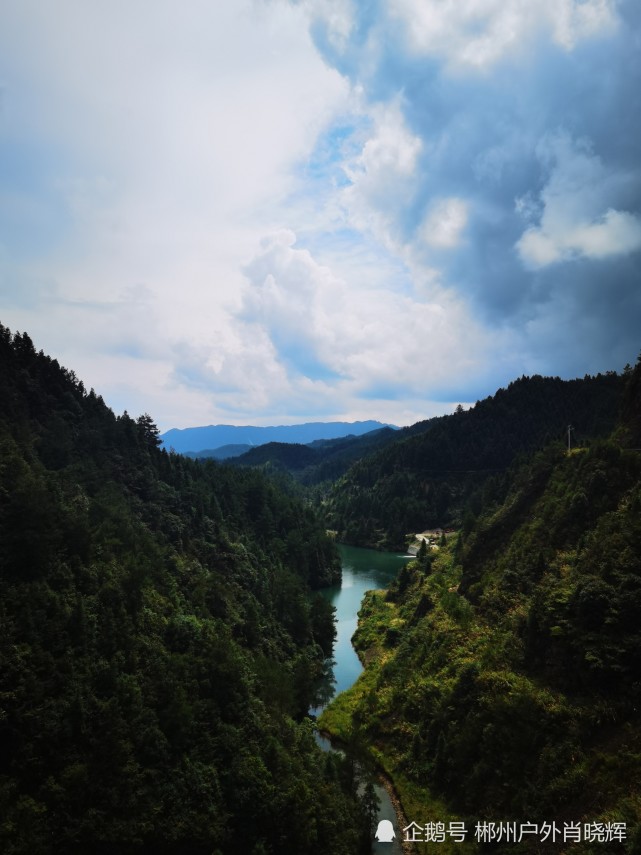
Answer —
349 719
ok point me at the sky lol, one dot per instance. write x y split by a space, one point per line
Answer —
271 212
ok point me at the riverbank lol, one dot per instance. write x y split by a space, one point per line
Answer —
337 725
401 819
344 720
388 785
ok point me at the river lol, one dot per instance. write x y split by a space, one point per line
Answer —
363 570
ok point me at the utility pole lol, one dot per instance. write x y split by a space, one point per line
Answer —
570 429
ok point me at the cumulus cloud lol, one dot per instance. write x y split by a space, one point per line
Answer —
577 215
375 341
615 233
522 119
382 174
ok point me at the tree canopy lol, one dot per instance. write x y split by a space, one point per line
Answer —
160 640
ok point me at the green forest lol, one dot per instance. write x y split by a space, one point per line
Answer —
161 632
163 627
433 476
503 670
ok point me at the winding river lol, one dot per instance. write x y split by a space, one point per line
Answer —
363 570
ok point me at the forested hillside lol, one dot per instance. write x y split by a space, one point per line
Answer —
432 478
504 676
159 640
320 462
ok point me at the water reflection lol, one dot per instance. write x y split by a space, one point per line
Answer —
325 688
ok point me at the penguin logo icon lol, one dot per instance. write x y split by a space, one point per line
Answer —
385 831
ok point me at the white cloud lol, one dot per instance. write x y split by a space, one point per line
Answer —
616 233
368 338
170 134
578 217
382 174
467 33
444 223
168 140
575 20
337 17
148 149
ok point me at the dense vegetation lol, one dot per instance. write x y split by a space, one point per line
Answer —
161 635
159 641
504 675
430 478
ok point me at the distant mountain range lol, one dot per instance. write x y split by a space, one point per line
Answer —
213 437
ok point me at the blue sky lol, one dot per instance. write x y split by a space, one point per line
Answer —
270 212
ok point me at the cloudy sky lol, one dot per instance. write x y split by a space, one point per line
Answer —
269 212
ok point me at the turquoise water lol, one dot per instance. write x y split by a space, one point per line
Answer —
363 570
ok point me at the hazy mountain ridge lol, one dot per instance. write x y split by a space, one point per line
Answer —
214 436
224 452
321 461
